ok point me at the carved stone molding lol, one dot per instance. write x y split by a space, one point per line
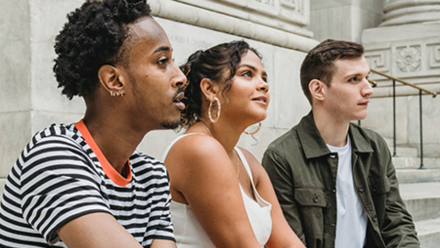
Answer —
434 55
378 59
288 15
216 20
408 58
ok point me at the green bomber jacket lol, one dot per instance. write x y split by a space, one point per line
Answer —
303 173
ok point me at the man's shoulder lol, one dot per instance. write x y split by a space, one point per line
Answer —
53 136
287 140
56 130
374 139
140 160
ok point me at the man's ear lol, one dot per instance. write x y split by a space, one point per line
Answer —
317 89
111 79
209 89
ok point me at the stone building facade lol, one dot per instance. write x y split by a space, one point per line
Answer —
401 39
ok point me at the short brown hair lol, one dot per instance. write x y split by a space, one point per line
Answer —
318 63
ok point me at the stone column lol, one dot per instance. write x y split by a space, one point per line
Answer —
401 12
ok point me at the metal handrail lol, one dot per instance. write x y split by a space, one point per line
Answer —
434 94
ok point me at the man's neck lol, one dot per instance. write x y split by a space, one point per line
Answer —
115 140
333 131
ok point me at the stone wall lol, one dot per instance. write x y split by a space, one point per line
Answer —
30 99
344 19
406 45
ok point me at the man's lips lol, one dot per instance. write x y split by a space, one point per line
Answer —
365 103
177 100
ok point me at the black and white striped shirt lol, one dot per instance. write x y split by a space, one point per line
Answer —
58 177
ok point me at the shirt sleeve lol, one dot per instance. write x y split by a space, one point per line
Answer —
58 184
160 225
280 174
398 229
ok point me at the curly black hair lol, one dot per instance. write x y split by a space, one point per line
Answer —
95 34
212 63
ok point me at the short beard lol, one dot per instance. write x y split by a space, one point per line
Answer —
170 125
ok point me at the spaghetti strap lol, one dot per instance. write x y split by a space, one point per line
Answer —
245 163
174 141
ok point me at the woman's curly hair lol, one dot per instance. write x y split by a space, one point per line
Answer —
212 64
93 36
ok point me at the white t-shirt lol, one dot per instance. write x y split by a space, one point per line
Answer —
351 223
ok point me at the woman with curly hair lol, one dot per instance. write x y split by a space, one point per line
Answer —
221 195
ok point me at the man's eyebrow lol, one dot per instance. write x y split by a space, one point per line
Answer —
356 75
162 48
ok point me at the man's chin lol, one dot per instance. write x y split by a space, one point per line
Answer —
170 124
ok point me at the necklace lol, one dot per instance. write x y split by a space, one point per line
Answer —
238 157
207 128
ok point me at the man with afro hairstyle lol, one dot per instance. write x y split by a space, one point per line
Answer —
85 184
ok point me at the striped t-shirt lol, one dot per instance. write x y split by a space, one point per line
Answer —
58 177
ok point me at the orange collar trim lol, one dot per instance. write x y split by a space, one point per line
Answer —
106 166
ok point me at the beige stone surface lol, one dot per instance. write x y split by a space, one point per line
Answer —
287 15
2 185
296 40
288 99
343 19
14 56
15 133
380 118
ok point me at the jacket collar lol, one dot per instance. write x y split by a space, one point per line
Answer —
314 146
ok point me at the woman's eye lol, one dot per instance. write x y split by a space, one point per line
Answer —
247 74
163 61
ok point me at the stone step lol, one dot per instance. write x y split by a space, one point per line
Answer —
428 232
418 175
414 163
405 151
422 199
402 150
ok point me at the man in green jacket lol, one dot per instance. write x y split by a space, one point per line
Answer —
335 181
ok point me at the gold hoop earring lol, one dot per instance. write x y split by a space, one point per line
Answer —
254 132
218 110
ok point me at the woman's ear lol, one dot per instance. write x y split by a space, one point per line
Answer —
111 79
209 89
317 89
